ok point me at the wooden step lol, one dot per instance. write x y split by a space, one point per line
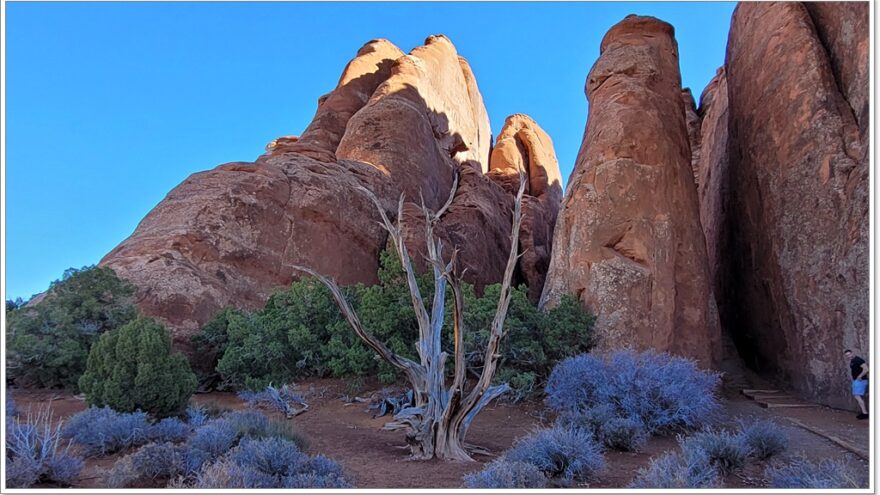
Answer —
752 391
766 397
774 405
751 394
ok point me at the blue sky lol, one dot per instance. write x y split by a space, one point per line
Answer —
110 105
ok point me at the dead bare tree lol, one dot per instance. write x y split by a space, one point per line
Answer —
437 423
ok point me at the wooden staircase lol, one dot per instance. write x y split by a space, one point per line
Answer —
770 398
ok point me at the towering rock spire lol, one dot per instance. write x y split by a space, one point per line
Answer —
628 242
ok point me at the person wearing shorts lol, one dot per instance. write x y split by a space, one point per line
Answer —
859 370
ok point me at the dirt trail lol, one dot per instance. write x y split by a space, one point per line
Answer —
378 459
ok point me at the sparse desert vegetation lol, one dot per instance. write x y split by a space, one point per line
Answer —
408 294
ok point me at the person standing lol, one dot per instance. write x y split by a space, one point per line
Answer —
859 370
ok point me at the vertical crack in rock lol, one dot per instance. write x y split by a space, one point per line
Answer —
784 190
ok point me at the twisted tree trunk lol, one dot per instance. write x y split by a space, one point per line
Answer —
437 423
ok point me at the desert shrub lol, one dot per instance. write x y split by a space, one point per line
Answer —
158 460
619 433
626 434
285 340
312 480
48 341
257 425
563 455
221 474
534 340
101 431
725 450
690 469
196 416
168 430
502 473
666 393
801 473
36 452
210 343
284 430
271 456
764 439
247 423
132 368
300 333
269 463
589 419
122 474
21 472
215 438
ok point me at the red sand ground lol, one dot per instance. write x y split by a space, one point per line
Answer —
378 459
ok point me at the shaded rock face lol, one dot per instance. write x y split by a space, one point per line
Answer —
843 29
523 147
479 220
713 179
693 127
395 124
628 242
795 206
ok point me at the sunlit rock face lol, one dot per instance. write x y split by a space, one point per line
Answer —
395 124
628 242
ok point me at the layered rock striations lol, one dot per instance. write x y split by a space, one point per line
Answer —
395 124
628 242
785 204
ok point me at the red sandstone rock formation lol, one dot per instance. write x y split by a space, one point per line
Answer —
628 242
524 147
797 206
843 29
479 219
394 124
693 127
713 178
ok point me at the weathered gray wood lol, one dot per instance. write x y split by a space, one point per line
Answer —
778 405
748 391
437 423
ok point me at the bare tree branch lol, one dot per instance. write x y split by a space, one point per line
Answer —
490 361
445 207
438 421
406 263
412 370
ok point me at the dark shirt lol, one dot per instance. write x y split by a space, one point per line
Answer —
855 365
